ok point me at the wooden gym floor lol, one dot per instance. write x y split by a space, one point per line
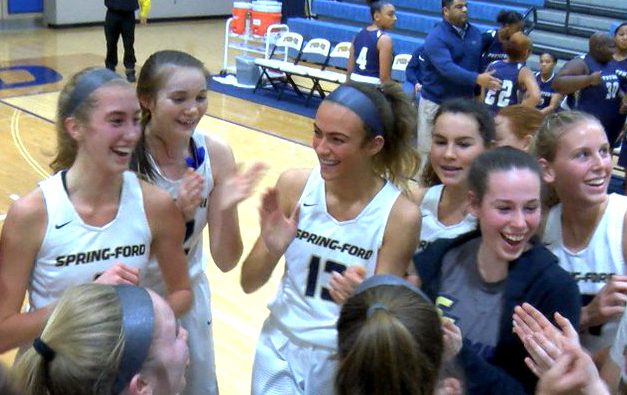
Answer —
254 132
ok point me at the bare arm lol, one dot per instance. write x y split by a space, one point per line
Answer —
231 187
384 45
278 217
556 99
530 86
168 230
20 241
400 238
574 76
351 61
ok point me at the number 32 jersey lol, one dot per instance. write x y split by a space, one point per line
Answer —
303 306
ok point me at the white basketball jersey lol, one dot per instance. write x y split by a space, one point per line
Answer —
193 228
303 306
594 265
73 252
431 228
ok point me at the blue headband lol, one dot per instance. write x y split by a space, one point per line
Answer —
388 279
138 321
356 101
86 84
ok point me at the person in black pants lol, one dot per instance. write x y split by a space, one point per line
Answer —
120 19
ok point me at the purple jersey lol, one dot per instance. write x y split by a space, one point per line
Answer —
603 100
507 72
546 91
365 53
494 50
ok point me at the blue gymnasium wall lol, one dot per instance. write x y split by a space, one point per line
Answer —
25 6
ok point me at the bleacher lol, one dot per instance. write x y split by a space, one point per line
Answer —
563 32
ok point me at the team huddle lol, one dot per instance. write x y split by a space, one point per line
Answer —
485 257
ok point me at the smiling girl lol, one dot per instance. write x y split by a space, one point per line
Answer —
199 171
586 230
462 130
478 278
92 220
345 216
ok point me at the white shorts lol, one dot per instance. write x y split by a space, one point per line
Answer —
201 372
285 366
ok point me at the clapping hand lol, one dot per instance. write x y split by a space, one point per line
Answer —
240 185
277 230
543 341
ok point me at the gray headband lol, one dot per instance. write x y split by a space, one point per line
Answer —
356 101
138 321
389 279
86 84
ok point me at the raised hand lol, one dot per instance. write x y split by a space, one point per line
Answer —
543 341
573 373
119 274
277 230
189 194
609 303
342 285
240 185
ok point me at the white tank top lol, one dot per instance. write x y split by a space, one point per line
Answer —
431 228
73 252
193 228
593 266
303 307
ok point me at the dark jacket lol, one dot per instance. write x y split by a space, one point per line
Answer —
413 73
535 277
122 5
451 63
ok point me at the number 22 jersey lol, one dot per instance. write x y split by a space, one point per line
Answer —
303 306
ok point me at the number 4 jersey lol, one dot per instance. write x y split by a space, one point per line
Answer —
303 306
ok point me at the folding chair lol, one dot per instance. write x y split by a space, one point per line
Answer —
338 60
289 46
399 65
316 53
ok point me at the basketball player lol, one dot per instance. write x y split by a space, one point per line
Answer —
91 221
199 171
370 59
514 76
345 216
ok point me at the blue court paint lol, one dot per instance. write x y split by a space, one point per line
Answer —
25 6
40 75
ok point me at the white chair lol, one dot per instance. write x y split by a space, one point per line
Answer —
399 65
338 60
316 54
287 47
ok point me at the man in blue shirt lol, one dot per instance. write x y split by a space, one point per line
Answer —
451 68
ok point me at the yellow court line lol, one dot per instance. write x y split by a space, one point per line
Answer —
17 139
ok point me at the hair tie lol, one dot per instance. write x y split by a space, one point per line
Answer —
43 349
359 103
138 319
374 307
86 84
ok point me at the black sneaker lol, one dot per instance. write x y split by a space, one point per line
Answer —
130 75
